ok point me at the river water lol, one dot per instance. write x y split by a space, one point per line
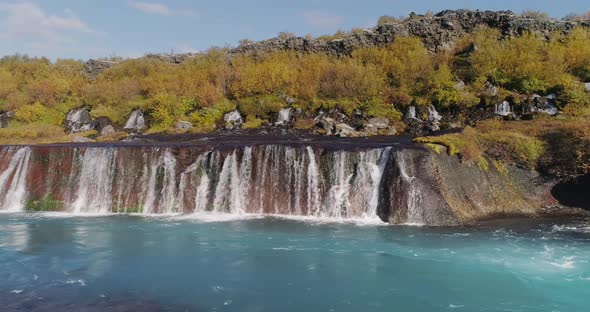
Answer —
61 262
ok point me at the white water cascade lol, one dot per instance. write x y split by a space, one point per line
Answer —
411 113
284 117
415 211
433 114
95 184
259 179
13 183
503 109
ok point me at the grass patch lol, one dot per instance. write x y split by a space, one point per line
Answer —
47 203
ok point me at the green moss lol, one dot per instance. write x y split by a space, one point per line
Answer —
434 147
253 123
483 164
260 107
452 142
501 167
47 203
525 150
130 209
304 123
207 117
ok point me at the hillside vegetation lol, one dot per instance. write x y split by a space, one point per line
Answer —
372 82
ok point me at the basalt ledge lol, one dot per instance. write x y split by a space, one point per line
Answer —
395 184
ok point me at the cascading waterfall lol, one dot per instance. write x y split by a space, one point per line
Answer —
260 179
95 183
13 182
503 109
415 212
284 117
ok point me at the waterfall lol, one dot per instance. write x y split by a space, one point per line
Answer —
371 169
159 184
260 179
415 211
503 109
95 183
313 185
284 117
433 115
337 202
202 188
13 183
411 113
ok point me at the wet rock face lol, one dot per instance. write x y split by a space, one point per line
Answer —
423 120
399 184
437 189
136 122
79 120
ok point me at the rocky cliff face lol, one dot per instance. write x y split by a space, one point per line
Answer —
455 193
396 184
438 32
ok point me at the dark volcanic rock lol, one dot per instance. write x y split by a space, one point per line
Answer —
5 119
94 67
438 32
437 189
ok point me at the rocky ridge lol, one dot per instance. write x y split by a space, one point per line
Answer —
438 32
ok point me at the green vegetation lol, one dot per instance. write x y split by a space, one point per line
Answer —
47 203
377 81
557 146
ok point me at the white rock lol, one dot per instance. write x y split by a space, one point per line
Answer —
78 120
491 89
460 85
379 122
233 119
107 130
183 125
136 121
345 130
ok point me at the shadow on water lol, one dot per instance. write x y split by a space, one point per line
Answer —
573 193
38 304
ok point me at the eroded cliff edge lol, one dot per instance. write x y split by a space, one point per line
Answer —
457 193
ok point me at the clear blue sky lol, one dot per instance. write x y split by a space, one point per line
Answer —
92 28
